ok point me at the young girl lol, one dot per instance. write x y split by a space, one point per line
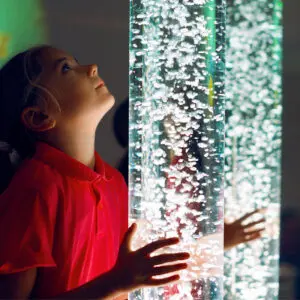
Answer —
63 210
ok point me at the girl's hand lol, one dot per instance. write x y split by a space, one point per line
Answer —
134 269
235 233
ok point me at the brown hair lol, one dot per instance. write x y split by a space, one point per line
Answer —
20 88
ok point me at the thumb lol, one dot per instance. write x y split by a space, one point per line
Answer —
126 243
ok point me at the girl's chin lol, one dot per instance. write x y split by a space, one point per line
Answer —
110 100
107 103
106 97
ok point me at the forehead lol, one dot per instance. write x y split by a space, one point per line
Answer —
50 55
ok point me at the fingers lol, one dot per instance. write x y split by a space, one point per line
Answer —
252 237
167 269
128 237
164 258
254 231
246 216
263 220
157 245
163 281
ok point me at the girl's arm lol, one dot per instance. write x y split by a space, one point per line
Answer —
17 285
103 287
133 270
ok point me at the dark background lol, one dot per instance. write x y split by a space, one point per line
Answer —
97 31
291 105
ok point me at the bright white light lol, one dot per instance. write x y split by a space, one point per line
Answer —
177 136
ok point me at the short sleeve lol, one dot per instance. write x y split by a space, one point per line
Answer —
27 223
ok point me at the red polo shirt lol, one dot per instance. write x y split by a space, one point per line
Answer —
64 218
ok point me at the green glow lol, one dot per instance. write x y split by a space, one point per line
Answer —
21 26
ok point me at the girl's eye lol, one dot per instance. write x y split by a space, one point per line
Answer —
65 68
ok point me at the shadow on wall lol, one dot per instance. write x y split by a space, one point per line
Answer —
121 120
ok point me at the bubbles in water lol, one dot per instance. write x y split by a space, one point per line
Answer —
177 136
253 142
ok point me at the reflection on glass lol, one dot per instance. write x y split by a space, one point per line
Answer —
253 142
177 136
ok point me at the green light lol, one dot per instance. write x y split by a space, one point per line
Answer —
21 26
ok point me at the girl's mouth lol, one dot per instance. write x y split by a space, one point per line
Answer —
100 84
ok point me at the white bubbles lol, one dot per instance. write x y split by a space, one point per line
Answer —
176 133
253 142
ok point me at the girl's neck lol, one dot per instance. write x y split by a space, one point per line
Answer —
81 148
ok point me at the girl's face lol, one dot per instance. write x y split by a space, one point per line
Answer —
80 92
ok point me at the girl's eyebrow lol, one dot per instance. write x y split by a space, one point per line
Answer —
60 60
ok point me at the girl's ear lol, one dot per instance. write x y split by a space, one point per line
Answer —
36 120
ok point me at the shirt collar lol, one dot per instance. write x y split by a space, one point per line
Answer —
69 166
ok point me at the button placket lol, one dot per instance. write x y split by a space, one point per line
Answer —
98 209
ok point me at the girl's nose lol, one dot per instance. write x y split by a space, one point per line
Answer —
93 70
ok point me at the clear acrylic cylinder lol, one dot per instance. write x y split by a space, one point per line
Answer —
176 140
253 142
